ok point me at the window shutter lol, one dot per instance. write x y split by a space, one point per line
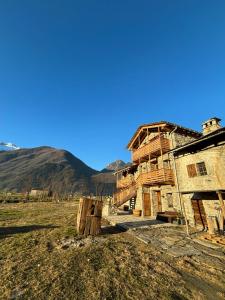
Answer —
191 169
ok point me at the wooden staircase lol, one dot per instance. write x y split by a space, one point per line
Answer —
124 195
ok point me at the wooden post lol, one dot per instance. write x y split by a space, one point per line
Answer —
149 155
185 216
139 143
161 152
142 202
222 210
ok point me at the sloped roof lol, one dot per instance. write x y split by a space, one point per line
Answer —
202 141
163 124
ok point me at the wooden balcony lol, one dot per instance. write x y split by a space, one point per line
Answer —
153 148
125 182
156 177
124 195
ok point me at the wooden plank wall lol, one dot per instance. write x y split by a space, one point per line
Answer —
89 216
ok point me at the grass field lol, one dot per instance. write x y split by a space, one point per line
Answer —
41 257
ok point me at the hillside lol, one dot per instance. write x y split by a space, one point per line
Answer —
44 168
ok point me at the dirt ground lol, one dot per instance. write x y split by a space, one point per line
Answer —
42 257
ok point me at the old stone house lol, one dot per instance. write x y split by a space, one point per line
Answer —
165 159
200 168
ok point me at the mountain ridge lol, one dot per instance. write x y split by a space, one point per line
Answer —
58 170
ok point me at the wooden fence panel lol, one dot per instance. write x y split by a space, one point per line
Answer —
89 216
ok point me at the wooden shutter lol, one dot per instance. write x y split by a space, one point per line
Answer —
191 169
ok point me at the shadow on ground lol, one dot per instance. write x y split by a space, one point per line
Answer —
141 223
111 230
6 231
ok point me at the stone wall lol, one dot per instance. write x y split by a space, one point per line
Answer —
214 159
212 208
181 139
138 204
168 189
188 208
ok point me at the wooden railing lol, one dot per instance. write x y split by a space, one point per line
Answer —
154 146
161 176
125 182
124 195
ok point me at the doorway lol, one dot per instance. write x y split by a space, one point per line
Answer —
159 202
199 213
146 204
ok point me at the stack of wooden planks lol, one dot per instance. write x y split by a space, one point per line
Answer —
215 239
89 216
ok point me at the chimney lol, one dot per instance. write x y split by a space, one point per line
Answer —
211 125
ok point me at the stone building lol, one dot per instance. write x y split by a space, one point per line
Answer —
200 167
38 192
163 157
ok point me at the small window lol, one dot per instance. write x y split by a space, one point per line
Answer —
201 169
166 164
191 169
169 197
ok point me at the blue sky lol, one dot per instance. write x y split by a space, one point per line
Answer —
83 75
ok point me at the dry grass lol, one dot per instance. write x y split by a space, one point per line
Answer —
34 265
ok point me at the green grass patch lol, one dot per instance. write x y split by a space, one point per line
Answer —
10 214
70 231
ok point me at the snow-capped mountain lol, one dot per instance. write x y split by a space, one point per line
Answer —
8 146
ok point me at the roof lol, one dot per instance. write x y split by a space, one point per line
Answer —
218 134
162 124
203 191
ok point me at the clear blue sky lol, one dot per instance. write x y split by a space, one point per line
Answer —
82 75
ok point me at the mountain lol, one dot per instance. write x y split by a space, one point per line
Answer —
105 181
114 166
44 168
8 146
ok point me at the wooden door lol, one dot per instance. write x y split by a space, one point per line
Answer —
147 204
199 213
159 202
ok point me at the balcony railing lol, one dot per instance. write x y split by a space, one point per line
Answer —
124 195
154 147
161 176
125 182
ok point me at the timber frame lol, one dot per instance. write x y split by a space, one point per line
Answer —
158 179
149 144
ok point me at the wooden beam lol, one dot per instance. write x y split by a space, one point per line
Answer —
222 210
140 129
161 152
185 216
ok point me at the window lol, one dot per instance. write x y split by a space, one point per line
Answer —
198 169
166 164
201 169
169 197
191 169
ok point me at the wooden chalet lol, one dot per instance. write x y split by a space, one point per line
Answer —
152 183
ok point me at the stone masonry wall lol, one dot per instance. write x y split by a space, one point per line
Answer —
181 139
214 159
188 208
139 198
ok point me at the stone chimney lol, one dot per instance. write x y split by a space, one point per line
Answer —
211 125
